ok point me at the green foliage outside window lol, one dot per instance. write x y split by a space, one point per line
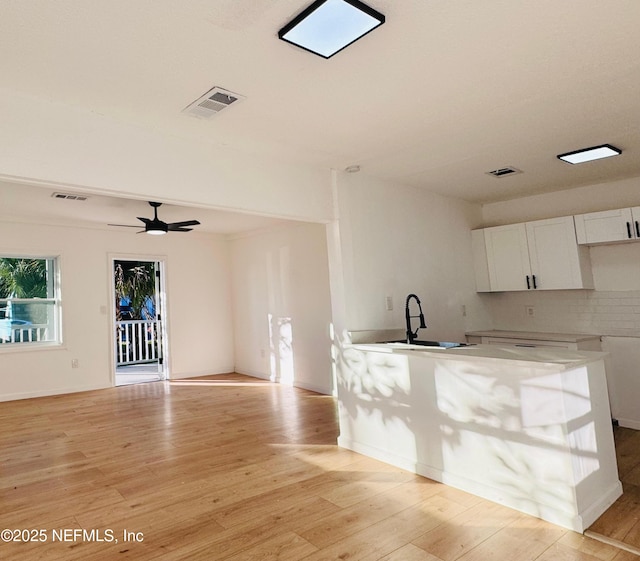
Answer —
27 298
23 278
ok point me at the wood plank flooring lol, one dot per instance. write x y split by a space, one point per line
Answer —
236 469
622 521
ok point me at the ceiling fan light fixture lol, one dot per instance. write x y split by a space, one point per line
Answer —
156 227
156 230
328 26
590 154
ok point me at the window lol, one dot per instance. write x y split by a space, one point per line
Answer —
29 300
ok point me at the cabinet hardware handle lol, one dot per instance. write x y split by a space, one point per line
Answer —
629 234
534 281
528 285
637 229
523 345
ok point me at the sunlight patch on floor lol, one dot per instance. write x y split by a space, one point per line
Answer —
217 383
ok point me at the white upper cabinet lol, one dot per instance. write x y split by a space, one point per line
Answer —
507 257
621 225
480 264
539 255
557 262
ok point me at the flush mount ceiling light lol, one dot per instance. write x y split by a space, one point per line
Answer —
328 26
589 154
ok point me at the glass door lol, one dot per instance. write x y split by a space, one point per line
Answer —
139 336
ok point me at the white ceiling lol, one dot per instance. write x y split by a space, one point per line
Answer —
440 94
27 202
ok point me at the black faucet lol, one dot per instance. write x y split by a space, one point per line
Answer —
411 335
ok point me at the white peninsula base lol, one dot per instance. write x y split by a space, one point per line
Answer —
530 429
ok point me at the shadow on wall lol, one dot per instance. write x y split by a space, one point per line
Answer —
458 423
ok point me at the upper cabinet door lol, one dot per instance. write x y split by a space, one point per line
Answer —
480 264
507 257
607 226
556 260
635 216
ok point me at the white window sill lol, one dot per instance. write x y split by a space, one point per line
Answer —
29 347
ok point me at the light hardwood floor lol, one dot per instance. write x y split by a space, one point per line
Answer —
233 468
622 521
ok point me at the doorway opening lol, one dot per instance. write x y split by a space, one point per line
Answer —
139 331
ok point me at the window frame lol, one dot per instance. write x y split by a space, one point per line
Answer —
53 298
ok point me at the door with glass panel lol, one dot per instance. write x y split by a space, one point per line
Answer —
139 336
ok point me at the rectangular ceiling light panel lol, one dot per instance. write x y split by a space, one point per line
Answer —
589 154
328 26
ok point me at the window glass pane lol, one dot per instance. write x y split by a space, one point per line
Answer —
29 307
23 278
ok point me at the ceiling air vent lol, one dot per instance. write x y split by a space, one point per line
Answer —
211 103
69 196
503 172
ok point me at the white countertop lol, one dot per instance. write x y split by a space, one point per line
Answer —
547 358
535 335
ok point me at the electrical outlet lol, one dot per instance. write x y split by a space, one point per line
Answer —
530 311
464 310
389 303
75 363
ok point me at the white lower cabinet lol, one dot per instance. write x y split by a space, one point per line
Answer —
538 255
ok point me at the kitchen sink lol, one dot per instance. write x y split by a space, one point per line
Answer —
442 344
445 344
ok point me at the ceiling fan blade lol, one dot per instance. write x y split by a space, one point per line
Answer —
180 229
156 226
174 225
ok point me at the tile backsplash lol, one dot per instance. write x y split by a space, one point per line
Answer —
570 311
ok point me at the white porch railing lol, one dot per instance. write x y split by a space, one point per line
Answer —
28 333
138 341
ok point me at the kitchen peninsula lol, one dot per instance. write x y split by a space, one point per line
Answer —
527 428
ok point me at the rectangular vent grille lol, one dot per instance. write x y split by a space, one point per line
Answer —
504 171
69 196
211 103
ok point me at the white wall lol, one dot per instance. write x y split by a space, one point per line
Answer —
199 313
282 305
60 145
396 240
592 198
